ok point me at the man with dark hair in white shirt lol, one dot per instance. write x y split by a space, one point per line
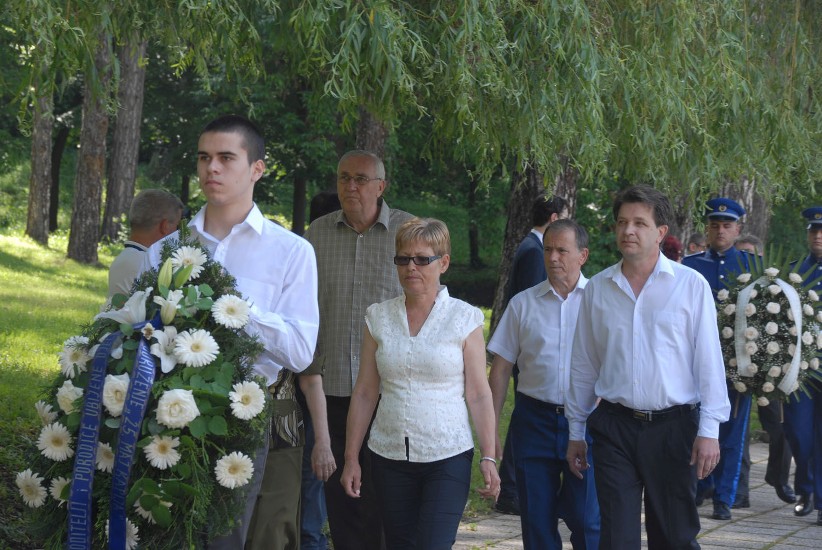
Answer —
647 346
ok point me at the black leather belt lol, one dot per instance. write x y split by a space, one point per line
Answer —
558 409
650 416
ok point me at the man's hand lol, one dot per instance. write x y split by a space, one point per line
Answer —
705 455
577 457
322 461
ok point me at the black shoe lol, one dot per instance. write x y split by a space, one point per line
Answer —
507 505
819 517
706 494
785 493
742 502
721 511
804 505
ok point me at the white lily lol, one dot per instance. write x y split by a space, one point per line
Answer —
132 312
164 348
168 306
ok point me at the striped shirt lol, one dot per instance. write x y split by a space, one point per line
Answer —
355 270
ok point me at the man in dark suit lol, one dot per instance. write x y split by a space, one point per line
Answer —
527 270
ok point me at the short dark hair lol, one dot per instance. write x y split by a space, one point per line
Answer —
752 240
323 203
151 206
697 239
645 194
580 234
544 207
252 138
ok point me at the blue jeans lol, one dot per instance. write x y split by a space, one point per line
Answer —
313 509
422 502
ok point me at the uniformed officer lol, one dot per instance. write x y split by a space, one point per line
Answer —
803 415
718 264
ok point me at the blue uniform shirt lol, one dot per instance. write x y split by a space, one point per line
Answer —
813 268
718 268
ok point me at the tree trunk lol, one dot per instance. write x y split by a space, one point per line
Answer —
371 134
758 216
473 230
56 161
37 224
298 210
566 184
126 141
91 162
525 188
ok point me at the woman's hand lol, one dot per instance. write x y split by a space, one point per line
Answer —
491 477
322 461
352 478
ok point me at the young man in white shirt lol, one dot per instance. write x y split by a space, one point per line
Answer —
647 346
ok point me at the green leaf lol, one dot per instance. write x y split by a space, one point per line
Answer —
183 470
197 381
130 344
205 290
113 423
205 304
178 489
218 426
182 275
198 427
161 515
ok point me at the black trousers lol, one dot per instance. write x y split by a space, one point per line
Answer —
779 451
356 523
633 457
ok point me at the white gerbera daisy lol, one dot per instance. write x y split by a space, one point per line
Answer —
57 486
105 457
162 451
31 488
55 442
67 394
189 255
247 400
132 534
114 393
146 514
75 357
45 412
196 349
234 470
164 348
230 311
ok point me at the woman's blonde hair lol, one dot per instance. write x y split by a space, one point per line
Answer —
430 231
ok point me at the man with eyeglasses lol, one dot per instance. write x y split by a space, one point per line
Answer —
355 249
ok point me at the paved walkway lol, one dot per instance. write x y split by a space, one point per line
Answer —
768 524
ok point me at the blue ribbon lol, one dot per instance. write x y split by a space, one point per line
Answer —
136 402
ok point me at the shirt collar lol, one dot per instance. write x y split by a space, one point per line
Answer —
545 286
255 220
663 265
383 218
540 236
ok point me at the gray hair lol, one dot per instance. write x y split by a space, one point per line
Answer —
152 206
377 161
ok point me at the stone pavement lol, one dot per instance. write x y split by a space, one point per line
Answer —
768 524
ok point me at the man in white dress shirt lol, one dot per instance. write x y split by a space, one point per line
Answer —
536 332
647 345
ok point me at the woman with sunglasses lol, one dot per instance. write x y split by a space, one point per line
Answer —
423 360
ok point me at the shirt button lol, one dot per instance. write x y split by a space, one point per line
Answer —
721 262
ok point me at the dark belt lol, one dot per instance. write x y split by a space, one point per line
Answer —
558 409
650 416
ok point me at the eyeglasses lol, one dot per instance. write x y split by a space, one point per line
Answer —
359 180
418 260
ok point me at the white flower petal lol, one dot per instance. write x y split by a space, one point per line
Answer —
234 470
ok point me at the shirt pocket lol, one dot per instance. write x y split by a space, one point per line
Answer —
258 293
669 331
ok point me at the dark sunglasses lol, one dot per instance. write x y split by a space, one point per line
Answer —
418 260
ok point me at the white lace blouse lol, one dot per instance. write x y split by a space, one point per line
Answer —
422 416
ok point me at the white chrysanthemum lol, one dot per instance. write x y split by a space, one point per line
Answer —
132 312
807 309
767 387
148 331
196 349
727 332
814 297
55 442
751 333
730 309
772 272
740 387
31 488
168 306
45 412
744 278
230 311
162 451
67 394
771 328
132 534
247 400
146 514
774 289
773 348
189 255
795 278
751 348
75 356
105 457
176 408
814 363
807 338
750 309
762 401
732 361
234 470
722 295
114 393
803 365
773 308
56 489
164 348
774 372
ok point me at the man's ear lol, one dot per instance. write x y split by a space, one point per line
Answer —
257 170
